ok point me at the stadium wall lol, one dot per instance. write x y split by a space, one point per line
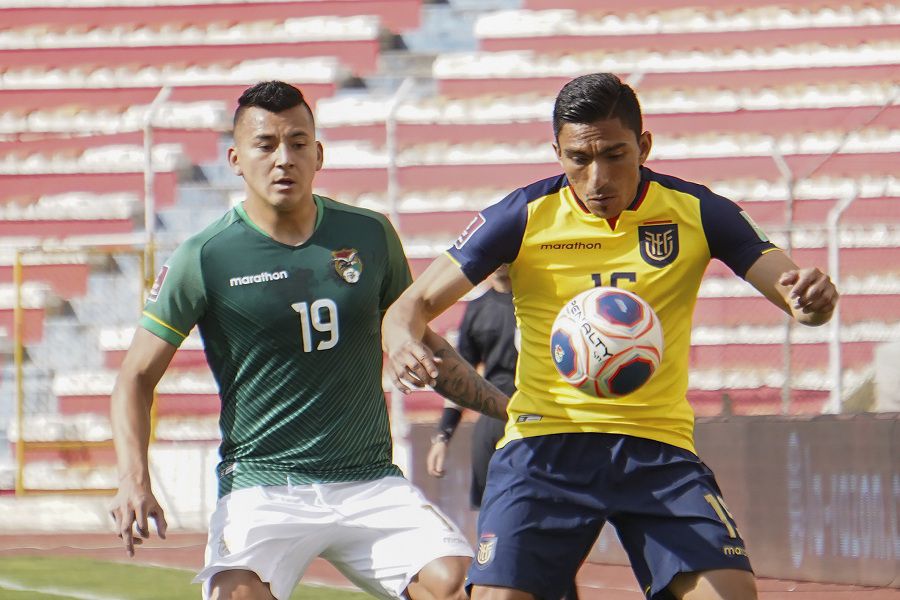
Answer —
816 499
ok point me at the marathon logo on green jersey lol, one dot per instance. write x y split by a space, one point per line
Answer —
258 278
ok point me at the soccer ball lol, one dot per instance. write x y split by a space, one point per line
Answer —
606 342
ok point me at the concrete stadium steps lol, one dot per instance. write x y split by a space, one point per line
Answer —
683 28
63 228
807 212
756 401
757 311
770 122
167 404
183 359
455 86
197 145
434 224
854 355
164 184
396 15
32 323
603 6
854 261
73 454
134 93
692 41
67 280
163 44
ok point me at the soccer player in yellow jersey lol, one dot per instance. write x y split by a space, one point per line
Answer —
569 462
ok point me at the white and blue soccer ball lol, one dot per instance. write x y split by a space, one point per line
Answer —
606 342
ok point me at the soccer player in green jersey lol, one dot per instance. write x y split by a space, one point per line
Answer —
569 462
288 290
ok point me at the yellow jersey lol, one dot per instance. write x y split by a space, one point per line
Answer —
658 248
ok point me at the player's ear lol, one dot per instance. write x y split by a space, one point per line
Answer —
645 142
320 155
557 150
233 162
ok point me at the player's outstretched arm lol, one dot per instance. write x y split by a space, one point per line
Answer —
143 367
459 382
808 295
410 363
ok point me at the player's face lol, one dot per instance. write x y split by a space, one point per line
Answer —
602 162
277 155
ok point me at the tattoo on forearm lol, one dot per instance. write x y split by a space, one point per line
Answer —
459 382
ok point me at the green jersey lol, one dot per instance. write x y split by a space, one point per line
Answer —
293 337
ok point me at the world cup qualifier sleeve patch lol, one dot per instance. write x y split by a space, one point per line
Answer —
157 284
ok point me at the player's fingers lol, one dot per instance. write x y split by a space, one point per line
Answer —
126 533
140 521
160 519
788 278
821 296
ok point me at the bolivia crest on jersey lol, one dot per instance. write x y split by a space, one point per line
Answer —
347 264
658 243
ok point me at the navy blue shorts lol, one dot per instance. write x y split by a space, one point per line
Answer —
547 498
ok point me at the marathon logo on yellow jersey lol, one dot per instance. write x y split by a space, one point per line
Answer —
658 243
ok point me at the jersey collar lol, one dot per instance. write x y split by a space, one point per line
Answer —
242 213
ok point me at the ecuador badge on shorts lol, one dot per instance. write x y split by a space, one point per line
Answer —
347 264
487 546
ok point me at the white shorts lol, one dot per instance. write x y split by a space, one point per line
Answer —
379 534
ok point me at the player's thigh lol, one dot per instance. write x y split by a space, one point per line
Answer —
238 584
721 584
391 533
671 516
539 519
272 532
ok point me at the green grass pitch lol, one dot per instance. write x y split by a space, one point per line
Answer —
56 578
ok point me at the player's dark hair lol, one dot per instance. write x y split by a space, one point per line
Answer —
596 97
273 96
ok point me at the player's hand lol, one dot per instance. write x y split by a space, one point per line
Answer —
436 457
812 297
413 366
130 509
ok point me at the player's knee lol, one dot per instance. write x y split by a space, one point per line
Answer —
441 579
238 584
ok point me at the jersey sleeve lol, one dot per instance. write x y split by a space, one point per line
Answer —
397 276
177 300
492 238
732 235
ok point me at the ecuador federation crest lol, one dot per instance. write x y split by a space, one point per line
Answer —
658 243
347 264
487 545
